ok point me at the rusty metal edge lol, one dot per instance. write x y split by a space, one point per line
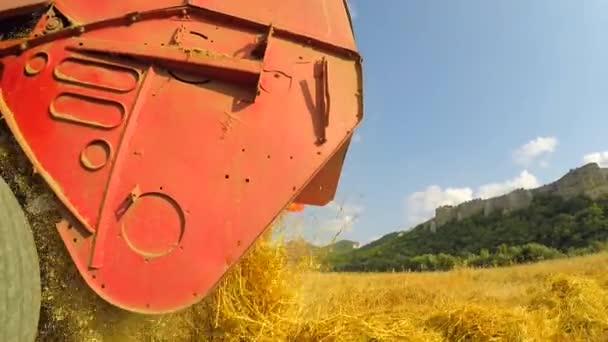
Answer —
95 287
128 18
17 11
56 187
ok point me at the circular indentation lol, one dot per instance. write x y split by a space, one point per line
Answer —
75 240
227 176
153 225
290 157
103 286
36 63
247 180
94 276
294 188
96 155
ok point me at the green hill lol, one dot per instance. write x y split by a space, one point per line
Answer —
566 217
300 248
551 226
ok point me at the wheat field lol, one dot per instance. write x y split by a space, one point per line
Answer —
266 299
561 300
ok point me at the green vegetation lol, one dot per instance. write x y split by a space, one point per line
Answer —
551 227
300 248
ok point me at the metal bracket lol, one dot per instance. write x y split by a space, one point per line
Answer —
323 99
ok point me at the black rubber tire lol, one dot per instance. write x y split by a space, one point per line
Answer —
19 272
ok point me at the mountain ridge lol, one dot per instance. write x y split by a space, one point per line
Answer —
590 180
566 217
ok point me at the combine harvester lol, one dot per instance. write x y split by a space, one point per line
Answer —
173 133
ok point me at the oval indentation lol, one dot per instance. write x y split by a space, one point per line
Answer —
153 225
97 74
87 110
96 155
36 63
188 78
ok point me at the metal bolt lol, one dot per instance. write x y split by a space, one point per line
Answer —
53 24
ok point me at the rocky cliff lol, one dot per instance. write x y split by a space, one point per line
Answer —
590 180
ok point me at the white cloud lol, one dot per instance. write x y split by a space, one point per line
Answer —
601 158
320 225
544 164
341 217
373 238
535 149
420 206
525 180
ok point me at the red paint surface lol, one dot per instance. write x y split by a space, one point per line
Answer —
192 171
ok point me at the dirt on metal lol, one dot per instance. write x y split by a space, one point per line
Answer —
70 311
248 302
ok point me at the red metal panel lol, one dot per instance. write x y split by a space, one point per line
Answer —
85 11
322 188
325 20
171 165
65 117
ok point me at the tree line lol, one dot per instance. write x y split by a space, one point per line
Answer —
551 227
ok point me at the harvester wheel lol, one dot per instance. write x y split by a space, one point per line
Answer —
19 272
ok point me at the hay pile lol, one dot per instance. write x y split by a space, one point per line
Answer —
473 322
576 307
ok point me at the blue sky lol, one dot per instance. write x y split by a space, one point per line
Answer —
463 99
